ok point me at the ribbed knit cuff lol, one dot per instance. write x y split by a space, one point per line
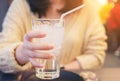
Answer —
8 62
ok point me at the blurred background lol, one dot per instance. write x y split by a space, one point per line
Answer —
109 13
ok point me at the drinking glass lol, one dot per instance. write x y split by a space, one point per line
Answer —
54 35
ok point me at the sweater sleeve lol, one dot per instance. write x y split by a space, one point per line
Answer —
13 31
94 50
94 43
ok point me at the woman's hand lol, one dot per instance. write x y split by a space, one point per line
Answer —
27 51
73 66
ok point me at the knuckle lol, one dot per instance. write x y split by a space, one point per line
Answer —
30 54
40 55
25 37
24 46
31 61
33 55
45 56
29 46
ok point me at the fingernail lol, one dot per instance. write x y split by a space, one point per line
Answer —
51 46
42 33
40 65
51 56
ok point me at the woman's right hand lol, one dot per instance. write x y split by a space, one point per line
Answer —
27 51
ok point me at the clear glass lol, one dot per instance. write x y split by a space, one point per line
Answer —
55 34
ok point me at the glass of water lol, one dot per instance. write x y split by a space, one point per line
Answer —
54 35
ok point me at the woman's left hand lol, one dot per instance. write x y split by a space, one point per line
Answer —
75 65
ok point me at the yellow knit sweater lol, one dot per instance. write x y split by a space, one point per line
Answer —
84 37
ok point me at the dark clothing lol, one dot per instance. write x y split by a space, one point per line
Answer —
3 9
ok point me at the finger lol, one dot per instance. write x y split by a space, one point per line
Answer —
35 63
40 54
34 34
38 46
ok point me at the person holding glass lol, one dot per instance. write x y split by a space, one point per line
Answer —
83 44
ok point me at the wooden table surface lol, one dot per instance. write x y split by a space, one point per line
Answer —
109 74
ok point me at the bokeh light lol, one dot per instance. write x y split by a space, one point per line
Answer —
102 2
